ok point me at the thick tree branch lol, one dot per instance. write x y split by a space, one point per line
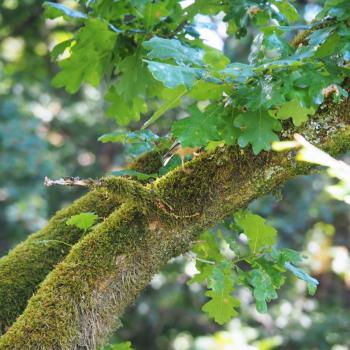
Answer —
27 264
80 301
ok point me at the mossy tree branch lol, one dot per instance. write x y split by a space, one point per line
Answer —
81 300
26 265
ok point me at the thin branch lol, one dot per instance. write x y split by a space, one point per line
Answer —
71 181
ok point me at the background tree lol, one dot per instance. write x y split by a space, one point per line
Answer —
204 73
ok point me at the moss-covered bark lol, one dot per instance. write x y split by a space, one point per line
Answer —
26 265
81 300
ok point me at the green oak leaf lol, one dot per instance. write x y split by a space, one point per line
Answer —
239 72
205 7
127 97
217 280
329 46
54 10
335 8
204 272
277 275
258 97
221 307
318 37
338 8
286 259
90 54
260 235
135 78
172 76
287 10
226 129
115 136
215 59
165 49
276 47
264 289
303 275
153 13
207 248
197 129
61 48
257 128
138 136
220 280
82 220
293 109
205 90
121 346
124 111
281 256
172 98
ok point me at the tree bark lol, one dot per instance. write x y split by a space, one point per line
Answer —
27 264
82 299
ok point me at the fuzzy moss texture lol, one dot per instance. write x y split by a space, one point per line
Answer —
27 264
82 299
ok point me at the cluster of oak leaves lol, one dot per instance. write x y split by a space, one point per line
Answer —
150 58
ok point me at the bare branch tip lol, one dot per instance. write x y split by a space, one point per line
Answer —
71 181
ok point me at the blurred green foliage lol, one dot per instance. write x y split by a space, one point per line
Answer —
46 132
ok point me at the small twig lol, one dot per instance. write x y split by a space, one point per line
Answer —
184 216
205 261
72 181
193 256
77 181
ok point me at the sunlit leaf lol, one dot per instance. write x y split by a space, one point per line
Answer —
82 220
260 235
54 10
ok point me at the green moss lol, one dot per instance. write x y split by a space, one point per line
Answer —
149 163
126 189
229 177
78 301
67 293
26 266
